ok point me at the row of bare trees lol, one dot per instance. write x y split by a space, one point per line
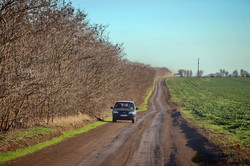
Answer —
54 63
235 73
185 73
188 73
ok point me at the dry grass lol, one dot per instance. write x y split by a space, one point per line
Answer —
71 119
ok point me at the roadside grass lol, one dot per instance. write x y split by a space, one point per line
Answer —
70 119
35 132
26 134
6 156
144 105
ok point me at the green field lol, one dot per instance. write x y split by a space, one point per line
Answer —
220 105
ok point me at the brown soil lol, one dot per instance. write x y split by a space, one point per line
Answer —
159 137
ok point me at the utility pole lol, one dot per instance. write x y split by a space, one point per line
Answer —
198 72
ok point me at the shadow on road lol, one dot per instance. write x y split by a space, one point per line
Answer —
207 153
118 121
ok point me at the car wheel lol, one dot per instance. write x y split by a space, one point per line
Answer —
134 120
114 120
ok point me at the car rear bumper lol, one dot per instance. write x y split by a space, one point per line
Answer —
123 116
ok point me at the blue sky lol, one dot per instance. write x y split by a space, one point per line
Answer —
175 33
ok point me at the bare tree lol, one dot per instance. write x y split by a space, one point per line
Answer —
226 73
190 73
235 73
182 72
244 73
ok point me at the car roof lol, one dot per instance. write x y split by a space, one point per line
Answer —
124 101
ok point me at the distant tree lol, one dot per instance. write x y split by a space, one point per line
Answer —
185 73
235 73
244 73
223 73
182 72
226 73
191 73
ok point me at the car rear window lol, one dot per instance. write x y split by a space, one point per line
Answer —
124 105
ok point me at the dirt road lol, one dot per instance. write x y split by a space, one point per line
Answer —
159 137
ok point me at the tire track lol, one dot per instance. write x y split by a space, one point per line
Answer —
144 147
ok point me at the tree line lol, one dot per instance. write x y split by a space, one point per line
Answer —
221 73
235 73
188 73
54 63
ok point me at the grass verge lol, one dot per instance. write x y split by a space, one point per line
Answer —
6 156
24 133
144 105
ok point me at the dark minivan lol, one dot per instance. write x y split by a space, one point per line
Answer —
124 110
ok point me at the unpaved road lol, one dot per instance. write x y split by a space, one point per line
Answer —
159 137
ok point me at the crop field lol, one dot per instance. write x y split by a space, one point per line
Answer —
220 105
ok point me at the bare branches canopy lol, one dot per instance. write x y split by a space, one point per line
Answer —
54 63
